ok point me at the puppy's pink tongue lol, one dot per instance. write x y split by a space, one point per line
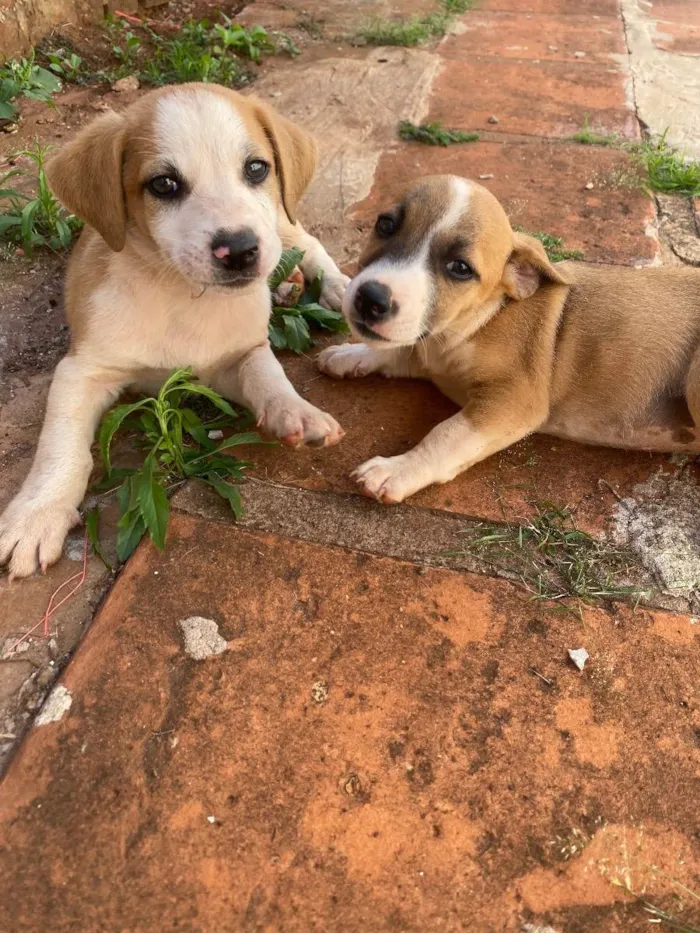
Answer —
221 252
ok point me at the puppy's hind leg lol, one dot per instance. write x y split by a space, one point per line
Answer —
34 525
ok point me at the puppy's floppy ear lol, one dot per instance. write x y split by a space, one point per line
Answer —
528 267
295 156
86 176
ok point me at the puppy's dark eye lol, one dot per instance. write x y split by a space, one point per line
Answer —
164 187
256 170
459 269
386 225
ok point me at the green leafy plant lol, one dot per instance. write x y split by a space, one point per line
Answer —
24 78
66 64
290 328
434 134
456 7
199 51
553 245
37 219
179 447
667 169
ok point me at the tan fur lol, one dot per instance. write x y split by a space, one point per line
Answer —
605 356
144 293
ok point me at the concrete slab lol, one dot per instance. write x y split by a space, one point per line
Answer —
380 747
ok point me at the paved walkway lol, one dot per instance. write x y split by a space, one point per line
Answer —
375 742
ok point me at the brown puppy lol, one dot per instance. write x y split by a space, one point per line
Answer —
188 198
448 292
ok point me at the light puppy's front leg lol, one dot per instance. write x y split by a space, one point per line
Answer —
354 360
482 428
34 525
258 381
315 260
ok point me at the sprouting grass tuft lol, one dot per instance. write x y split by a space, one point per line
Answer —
667 169
551 556
406 32
291 324
36 219
178 447
588 137
553 245
456 7
434 134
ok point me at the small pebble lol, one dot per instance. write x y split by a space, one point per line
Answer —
211 819
124 85
215 435
579 656
319 692
590 186
483 177
579 54
493 119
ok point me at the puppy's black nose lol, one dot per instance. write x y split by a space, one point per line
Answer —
235 252
373 302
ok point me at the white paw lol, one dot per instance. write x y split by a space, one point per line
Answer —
388 479
296 422
32 535
333 290
347 361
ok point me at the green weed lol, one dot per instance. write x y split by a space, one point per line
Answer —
553 245
551 556
179 448
34 220
290 328
434 134
66 64
200 51
456 7
588 137
407 32
667 169
24 78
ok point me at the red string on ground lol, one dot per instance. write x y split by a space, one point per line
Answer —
51 608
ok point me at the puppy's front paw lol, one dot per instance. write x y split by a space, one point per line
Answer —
32 535
348 361
296 422
388 479
333 289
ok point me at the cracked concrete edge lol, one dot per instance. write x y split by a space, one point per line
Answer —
422 536
666 84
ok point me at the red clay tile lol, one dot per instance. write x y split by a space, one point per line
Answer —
376 750
674 11
542 37
542 186
683 39
551 99
524 8
388 416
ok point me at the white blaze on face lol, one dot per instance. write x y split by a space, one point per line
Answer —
201 135
409 280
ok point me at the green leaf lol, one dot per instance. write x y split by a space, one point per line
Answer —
153 503
192 423
129 534
276 337
110 480
331 320
9 220
110 425
238 440
7 110
289 259
226 491
92 521
213 397
296 331
315 288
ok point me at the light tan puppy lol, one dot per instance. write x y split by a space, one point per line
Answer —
448 292
189 197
